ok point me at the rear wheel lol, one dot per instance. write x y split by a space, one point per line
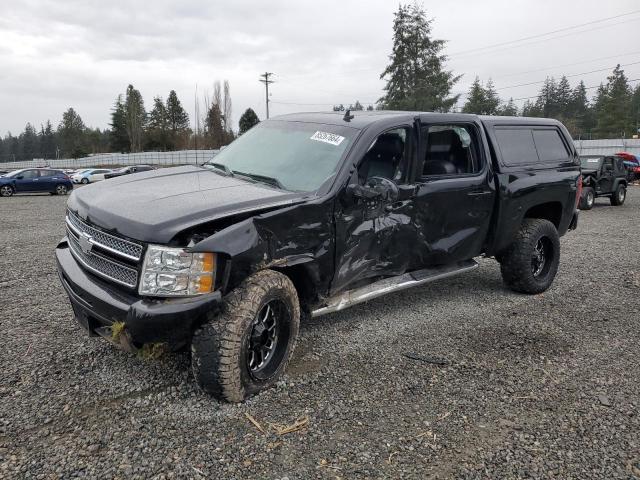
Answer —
531 262
247 348
588 198
6 190
619 195
61 189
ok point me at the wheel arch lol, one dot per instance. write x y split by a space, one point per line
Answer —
551 211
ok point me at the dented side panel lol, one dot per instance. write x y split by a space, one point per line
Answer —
298 235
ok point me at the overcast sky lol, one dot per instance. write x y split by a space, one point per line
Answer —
82 54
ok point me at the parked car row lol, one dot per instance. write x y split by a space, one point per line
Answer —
57 181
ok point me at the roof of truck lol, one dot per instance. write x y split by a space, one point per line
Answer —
363 118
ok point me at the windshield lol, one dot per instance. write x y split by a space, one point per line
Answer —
292 155
590 163
14 173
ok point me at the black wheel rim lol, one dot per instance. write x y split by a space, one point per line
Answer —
541 257
268 339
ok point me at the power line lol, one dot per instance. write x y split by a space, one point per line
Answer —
266 82
567 76
509 42
586 88
609 57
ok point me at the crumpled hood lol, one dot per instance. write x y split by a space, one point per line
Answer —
154 206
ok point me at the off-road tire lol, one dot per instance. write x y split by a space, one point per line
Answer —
619 196
6 191
219 347
587 199
516 261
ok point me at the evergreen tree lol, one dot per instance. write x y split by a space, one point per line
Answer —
635 110
135 118
48 145
29 143
581 111
158 126
545 105
562 99
415 77
356 106
530 109
71 134
178 121
482 100
248 120
509 109
338 108
613 107
475 99
118 138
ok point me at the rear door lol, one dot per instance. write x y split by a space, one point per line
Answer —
455 190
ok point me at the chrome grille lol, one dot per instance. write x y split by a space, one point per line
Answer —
101 265
116 245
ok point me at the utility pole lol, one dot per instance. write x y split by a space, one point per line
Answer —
265 79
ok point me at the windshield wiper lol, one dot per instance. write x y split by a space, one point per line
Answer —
274 182
220 167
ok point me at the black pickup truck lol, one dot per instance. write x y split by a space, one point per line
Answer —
308 214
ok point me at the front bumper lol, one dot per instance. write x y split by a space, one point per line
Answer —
98 304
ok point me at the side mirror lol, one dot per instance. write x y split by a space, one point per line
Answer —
376 187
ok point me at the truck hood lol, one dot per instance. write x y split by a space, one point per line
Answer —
156 205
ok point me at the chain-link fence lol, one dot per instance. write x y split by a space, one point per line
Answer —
107 160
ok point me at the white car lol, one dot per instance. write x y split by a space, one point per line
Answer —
90 175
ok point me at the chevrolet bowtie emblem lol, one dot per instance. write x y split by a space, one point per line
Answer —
85 243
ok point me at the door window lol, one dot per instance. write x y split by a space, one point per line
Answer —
387 157
30 174
450 150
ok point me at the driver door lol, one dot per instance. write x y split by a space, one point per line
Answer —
28 181
606 180
374 235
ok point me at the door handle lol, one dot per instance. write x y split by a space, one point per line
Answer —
478 193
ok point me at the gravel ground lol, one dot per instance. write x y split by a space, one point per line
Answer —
544 386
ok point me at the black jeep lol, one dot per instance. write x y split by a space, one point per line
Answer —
308 214
602 176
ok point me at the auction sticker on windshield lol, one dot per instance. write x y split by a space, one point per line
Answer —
327 137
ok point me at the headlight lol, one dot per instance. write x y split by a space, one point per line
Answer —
169 272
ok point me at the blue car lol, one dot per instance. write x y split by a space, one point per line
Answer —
32 180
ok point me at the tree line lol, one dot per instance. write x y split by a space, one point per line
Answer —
417 80
132 128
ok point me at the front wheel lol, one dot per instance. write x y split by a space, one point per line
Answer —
6 190
531 262
619 196
247 348
84 181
